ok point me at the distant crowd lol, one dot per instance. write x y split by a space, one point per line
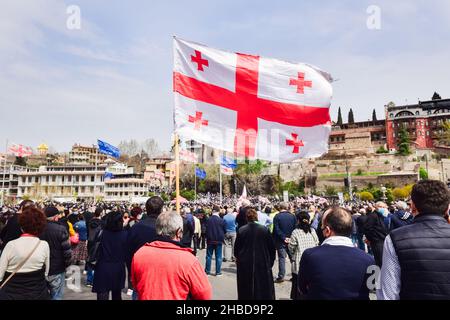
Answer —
347 251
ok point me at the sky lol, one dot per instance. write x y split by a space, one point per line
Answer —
111 79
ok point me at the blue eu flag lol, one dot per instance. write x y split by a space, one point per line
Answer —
108 149
200 173
108 176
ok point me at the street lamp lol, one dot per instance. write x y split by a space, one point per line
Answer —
383 190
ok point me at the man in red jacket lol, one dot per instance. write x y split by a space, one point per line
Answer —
166 270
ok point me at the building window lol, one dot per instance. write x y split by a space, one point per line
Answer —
53 178
428 133
393 134
417 113
391 115
92 178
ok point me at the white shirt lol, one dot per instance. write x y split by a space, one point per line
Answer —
339 241
17 250
390 278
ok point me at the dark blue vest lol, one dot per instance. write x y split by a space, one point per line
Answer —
423 250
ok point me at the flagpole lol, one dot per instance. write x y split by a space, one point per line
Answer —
4 173
220 183
195 182
177 174
95 173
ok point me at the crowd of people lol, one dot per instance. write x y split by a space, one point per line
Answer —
152 251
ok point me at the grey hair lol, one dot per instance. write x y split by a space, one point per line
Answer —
380 204
168 223
284 206
402 205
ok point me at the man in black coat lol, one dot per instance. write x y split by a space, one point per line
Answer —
93 228
283 225
376 229
255 254
145 230
11 231
188 231
57 238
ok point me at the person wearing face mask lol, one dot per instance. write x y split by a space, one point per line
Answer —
377 227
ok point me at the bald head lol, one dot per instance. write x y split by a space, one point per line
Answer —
338 220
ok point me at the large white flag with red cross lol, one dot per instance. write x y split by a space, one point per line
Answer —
252 106
20 150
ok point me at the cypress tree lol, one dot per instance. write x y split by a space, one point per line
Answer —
351 118
339 118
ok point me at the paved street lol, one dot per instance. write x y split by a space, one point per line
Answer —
224 287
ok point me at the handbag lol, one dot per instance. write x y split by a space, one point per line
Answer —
75 239
21 264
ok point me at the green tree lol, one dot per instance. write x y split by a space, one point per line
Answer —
351 118
366 196
400 193
423 174
339 118
330 190
403 142
381 149
294 188
20 161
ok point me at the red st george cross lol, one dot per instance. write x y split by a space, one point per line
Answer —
197 120
199 60
295 143
300 83
248 106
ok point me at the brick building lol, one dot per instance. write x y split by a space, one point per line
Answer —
358 137
423 122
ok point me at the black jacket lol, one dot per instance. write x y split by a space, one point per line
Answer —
423 251
11 231
374 228
95 224
215 230
188 232
283 225
138 235
241 218
57 238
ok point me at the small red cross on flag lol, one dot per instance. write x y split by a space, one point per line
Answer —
250 105
300 83
295 143
197 120
199 61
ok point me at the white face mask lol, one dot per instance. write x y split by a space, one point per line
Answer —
383 211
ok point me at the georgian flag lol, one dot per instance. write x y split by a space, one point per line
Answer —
19 150
252 106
